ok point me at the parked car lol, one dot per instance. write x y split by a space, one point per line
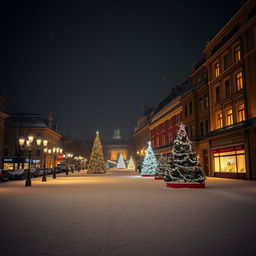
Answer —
4 175
18 174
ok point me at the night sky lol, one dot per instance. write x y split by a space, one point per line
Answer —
93 64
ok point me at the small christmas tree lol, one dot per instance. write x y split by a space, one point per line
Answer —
121 163
97 162
131 164
162 167
149 164
184 168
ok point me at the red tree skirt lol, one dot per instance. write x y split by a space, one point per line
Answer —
148 175
185 185
159 178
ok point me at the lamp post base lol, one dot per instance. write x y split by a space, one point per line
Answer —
28 183
54 176
44 179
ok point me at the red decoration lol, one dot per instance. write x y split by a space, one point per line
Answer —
148 175
185 185
159 178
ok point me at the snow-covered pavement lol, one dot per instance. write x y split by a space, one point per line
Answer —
123 214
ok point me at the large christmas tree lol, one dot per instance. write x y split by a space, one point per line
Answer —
149 164
97 162
185 167
162 167
121 163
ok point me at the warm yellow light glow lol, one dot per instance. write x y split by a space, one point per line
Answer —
45 150
38 142
57 150
61 150
49 151
30 139
45 143
27 143
21 142
54 150
138 152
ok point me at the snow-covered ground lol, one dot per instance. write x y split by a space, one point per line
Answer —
123 214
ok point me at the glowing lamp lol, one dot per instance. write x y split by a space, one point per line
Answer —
45 143
21 142
61 150
54 150
38 142
27 143
30 139
45 150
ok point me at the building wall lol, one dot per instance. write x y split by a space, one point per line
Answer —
3 115
231 78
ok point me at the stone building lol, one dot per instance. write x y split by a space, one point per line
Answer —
22 125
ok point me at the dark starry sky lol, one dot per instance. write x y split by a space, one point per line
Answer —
93 64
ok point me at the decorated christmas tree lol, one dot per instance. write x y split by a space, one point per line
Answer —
185 167
149 164
97 162
121 163
131 164
162 167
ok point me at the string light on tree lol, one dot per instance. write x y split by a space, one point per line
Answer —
131 164
185 169
149 164
162 167
97 162
121 163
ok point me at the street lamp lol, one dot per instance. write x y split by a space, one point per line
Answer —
68 155
55 151
45 152
28 145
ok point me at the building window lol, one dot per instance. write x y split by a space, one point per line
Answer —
191 130
216 68
206 125
231 161
163 139
186 110
190 107
206 101
200 103
217 94
202 129
237 53
239 81
227 88
225 62
229 116
240 113
219 120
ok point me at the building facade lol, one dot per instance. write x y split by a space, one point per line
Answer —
231 65
22 125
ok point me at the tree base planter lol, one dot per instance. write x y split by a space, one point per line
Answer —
145 175
159 178
185 185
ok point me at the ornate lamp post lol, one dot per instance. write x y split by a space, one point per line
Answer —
46 150
68 155
55 151
28 145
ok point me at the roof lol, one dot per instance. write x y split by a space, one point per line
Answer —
28 120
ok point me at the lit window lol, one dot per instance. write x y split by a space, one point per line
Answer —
227 88
239 81
229 117
219 120
216 69
237 53
240 113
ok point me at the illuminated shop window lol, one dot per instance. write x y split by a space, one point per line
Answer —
239 81
237 53
230 162
240 113
219 120
229 117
